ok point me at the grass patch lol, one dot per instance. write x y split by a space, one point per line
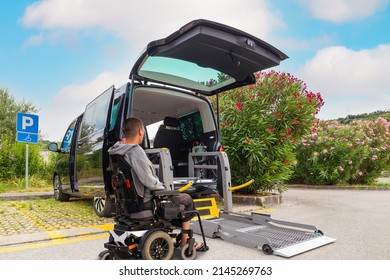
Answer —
383 185
35 184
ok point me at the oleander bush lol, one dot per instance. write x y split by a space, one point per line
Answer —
261 125
335 153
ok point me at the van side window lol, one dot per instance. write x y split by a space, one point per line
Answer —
114 113
66 142
152 130
95 115
191 126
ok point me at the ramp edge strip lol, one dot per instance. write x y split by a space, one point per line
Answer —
303 247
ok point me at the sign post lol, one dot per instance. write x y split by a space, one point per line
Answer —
27 132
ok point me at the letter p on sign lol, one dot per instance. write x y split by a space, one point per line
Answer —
26 123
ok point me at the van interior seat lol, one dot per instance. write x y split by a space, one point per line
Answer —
169 136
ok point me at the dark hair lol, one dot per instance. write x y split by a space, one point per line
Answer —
131 126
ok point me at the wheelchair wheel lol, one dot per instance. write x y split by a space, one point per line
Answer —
105 255
158 246
187 254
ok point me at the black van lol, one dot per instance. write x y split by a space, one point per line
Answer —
168 89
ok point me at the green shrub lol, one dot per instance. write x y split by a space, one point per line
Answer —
13 160
353 153
261 125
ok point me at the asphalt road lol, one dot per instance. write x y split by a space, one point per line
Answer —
357 219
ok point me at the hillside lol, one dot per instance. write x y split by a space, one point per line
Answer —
366 116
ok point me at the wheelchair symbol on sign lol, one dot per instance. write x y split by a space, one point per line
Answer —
28 138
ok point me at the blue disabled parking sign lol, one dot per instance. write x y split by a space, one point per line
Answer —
27 132
27 128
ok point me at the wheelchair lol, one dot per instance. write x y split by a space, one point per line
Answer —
149 230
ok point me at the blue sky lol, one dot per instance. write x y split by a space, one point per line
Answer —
60 54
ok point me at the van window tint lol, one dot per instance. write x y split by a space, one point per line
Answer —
95 115
114 113
191 126
66 142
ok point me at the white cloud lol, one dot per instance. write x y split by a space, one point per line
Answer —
71 101
143 21
294 44
351 81
339 11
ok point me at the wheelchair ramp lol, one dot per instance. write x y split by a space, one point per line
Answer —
259 231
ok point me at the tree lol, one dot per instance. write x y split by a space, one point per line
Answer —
261 125
12 153
8 109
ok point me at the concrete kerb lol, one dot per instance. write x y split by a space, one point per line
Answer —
25 195
43 236
336 187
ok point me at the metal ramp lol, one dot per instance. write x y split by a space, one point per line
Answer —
260 231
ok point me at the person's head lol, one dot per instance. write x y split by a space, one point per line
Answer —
133 128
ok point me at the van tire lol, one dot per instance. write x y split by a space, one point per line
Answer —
103 206
57 188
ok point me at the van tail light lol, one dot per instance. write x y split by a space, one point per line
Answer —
221 149
128 184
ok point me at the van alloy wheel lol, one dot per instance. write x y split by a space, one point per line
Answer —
102 206
58 194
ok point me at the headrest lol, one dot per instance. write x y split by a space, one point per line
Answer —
170 121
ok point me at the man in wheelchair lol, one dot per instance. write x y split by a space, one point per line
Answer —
144 206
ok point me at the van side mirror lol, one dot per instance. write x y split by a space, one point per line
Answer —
53 147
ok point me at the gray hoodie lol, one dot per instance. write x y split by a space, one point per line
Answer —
143 172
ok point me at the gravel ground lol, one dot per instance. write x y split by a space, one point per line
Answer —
30 216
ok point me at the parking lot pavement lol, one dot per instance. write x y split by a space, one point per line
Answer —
26 217
356 218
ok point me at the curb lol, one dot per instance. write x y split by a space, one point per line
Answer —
43 236
263 201
336 187
25 196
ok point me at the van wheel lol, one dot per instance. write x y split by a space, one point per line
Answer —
58 194
103 206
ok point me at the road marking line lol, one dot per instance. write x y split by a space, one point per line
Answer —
54 242
106 227
267 210
54 234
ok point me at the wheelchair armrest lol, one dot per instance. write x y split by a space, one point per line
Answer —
165 192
